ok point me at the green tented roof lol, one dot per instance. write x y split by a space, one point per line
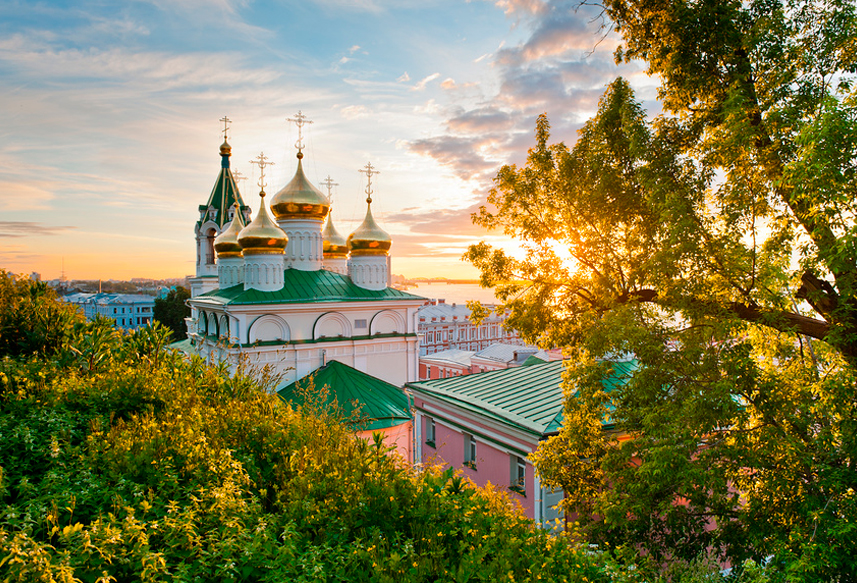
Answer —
305 287
533 359
224 194
380 403
528 397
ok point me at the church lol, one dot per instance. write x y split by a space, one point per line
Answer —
285 290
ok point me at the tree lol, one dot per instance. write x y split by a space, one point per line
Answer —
715 244
172 310
32 321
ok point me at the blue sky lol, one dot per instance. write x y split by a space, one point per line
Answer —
110 130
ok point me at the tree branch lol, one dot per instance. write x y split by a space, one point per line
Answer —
776 319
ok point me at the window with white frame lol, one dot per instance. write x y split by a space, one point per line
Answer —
429 431
518 474
469 451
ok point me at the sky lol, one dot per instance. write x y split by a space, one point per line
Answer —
110 131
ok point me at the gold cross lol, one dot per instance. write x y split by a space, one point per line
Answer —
261 161
329 183
299 120
226 121
369 171
237 176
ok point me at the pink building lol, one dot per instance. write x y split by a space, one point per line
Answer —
487 424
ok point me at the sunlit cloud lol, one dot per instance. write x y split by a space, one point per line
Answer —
421 85
354 111
17 229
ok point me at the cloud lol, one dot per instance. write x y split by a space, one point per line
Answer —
480 121
18 195
560 67
145 71
354 111
16 229
421 85
354 49
404 78
527 7
436 221
460 153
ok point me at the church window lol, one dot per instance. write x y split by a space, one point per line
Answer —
359 323
209 247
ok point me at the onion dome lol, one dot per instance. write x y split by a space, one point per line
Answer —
334 244
262 235
226 244
299 199
225 149
369 238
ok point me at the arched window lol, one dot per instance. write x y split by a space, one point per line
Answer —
209 247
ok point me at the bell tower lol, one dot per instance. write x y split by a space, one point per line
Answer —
214 218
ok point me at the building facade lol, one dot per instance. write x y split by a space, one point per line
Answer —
445 326
486 425
128 311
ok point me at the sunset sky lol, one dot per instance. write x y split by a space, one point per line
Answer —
110 129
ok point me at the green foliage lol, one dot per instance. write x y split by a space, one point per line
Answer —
122 461
31 320
688 241
172 310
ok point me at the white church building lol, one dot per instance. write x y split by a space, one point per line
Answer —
283 291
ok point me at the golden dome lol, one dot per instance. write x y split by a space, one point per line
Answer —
334 245
369 238
225 149
299 199
226 244
262 235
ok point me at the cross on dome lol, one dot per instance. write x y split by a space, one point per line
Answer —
369 171
261 161
299 120
226 121
329 183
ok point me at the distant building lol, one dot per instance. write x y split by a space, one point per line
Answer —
446 363
498 356
128 311
442 326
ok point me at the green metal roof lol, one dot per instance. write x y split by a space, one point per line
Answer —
379 402
306 287
184 346
528 397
